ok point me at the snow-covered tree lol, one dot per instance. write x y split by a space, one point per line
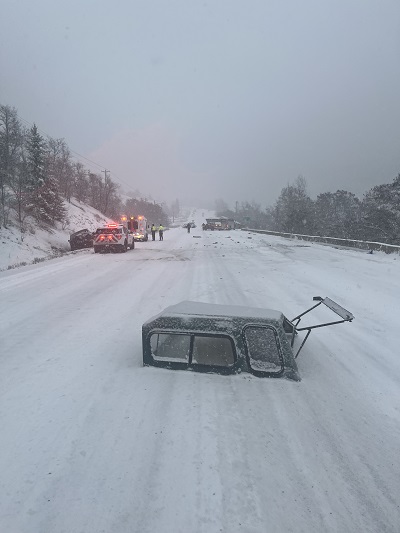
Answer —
48 204
381 213
110 189
22 195
35 146
10 145
294 209
338 215
81 182
95 190
59 165
151 210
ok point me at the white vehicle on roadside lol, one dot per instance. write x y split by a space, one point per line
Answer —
113 238
141 231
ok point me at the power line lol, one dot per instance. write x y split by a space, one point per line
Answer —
102 167
52 137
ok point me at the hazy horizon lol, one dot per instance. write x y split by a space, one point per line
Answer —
205 100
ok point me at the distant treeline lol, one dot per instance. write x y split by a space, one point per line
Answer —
375 217
38 173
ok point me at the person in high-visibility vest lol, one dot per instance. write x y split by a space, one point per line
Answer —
161 232
153 232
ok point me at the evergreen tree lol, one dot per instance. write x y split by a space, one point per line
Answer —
10 145
48 204
22 201
36 154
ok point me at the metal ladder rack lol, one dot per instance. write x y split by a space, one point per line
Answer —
345 315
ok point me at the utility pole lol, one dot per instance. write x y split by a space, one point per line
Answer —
105 175
105 199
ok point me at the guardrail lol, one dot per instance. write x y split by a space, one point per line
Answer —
352 243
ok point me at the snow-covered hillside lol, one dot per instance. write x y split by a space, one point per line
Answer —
37 244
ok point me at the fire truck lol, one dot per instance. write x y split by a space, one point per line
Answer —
138 226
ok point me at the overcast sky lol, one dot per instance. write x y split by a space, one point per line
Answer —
199 100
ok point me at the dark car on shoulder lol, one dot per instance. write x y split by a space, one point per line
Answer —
81 239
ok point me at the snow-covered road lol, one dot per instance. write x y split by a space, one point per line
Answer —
91 441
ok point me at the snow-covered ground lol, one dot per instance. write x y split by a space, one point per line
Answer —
35 244
91 441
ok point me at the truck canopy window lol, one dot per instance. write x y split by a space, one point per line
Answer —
215 351
170 347
263 349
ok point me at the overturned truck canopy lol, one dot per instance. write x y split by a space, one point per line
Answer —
220 338
229 339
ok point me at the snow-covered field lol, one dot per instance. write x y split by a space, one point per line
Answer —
91 441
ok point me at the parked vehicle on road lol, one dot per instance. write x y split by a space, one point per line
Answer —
221 223
140 233
138 226
113 238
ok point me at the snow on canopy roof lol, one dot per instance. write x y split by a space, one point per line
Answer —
188 307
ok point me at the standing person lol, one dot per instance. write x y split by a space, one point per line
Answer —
153 232
188 226
161 232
